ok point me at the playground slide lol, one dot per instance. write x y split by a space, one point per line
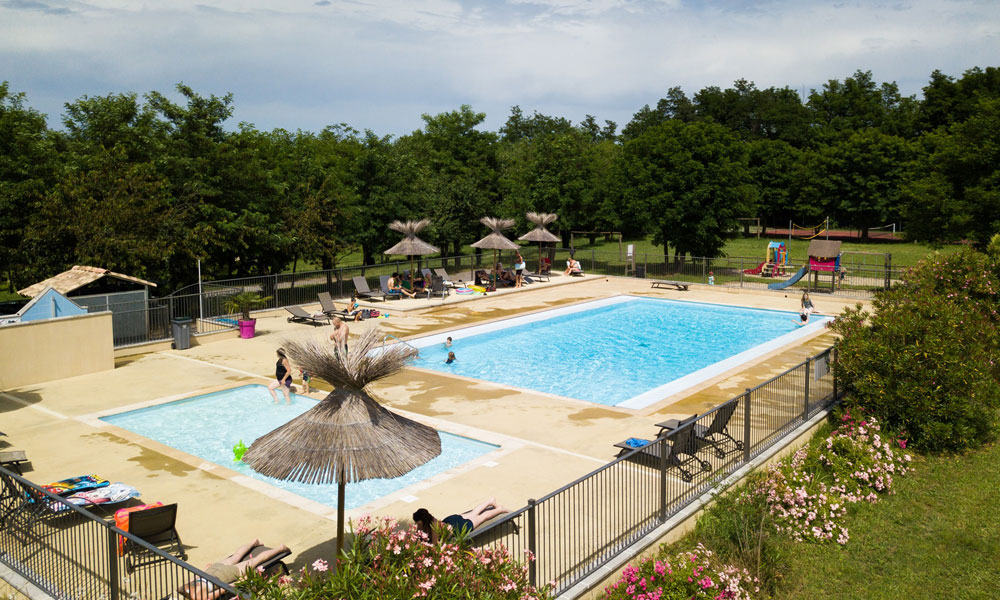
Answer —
756 271
790 281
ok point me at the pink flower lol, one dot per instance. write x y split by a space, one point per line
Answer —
320 565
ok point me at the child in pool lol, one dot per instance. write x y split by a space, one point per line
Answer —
306 377
447 342
451 358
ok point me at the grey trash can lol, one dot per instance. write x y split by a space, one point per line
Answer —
640 271
181 330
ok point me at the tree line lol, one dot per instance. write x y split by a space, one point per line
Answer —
147 186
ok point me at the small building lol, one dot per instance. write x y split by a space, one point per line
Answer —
96 290
50 304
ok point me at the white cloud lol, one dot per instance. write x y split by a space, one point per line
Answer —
380 64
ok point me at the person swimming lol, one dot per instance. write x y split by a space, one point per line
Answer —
451 358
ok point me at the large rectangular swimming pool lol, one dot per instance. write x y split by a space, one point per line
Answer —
623 351
208 426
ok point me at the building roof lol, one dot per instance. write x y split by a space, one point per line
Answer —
824 248
76 278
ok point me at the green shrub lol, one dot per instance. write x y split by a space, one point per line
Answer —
924 364
387 562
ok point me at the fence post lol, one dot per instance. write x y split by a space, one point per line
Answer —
532 574
888 270
593 261
704 263
113 578
741 272
746 426
832 368
663 480
275 288
805 408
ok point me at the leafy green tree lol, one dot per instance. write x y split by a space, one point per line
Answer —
27 167
859 103
676 105
858 180
689 182
954 193
776 168
462 175
774 114
947 101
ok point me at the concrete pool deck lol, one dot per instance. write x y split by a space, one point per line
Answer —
545 441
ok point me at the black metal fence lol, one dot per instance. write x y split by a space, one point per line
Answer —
206 307
72 553
583 525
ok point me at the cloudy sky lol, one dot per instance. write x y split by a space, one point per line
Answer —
380 64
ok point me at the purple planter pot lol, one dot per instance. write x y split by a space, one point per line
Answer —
247 328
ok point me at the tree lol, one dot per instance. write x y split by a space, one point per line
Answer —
858 103
947 101
857 180
675 105
776 168
27 169
954 193
689 182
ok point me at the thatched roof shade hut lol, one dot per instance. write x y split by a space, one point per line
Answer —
540 234
347 437
411 245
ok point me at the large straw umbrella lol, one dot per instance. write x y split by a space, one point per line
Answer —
348 436
540 233
411 245
496 240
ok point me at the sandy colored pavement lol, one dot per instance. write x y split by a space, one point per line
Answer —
544 441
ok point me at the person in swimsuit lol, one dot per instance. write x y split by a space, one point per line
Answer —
306 378
464 522
396 287
282 377
807 304
339 335
518 269
451 358
229 570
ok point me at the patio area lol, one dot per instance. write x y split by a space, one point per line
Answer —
544 441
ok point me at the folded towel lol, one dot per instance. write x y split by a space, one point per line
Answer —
636 442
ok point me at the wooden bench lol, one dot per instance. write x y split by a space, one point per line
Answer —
680 285
13 459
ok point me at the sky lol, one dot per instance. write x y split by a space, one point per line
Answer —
381 64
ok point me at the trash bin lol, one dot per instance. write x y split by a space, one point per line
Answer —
640 271
181 330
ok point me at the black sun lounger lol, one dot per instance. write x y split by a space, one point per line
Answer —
330 309
301 316
361 287
662 283
716 434
157 527
683 443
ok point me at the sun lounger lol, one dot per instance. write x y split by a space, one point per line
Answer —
682 444
157 527
275 565
445 278
301 316
12 459
662 283
330 309
716 434
363 291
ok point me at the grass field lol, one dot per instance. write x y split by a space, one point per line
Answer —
937 537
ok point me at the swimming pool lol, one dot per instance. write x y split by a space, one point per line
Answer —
208 426
623 351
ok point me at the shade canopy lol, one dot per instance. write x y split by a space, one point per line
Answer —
411 245
496 240
348 436
540 234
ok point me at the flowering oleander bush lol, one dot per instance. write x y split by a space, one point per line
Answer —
387 562
808 494
686 575
926 359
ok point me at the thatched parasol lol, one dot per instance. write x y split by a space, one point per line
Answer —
411 245
540 233
348 436
496 240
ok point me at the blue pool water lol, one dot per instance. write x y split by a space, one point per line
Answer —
208 427
625 351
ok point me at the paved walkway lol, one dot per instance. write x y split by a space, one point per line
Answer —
544 441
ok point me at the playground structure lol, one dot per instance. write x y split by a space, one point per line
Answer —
824 257
775 262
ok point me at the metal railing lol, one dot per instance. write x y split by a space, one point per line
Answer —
68 552
152 323
583 525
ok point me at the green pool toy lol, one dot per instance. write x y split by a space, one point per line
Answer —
238 450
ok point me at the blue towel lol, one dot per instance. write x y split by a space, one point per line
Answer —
636 442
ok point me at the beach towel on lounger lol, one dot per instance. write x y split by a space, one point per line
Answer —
76 484
110 494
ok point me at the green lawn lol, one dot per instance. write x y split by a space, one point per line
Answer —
937 537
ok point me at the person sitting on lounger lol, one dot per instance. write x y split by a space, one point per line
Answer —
505 277
464 522
396 287
573 268
229 570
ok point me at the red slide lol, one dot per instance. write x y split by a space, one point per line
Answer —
757 271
